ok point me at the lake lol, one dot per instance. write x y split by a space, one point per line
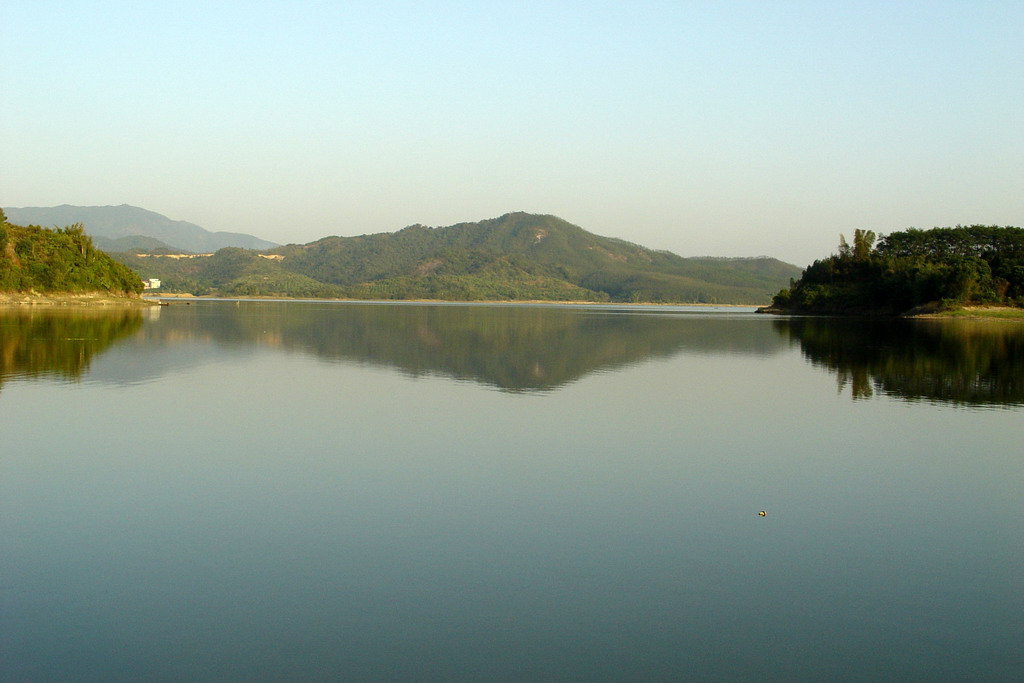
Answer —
253 490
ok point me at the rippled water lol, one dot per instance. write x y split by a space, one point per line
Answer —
321 491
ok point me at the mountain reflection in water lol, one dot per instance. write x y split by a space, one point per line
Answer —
962 362
513 348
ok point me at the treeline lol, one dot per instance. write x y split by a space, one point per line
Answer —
940 268
37 259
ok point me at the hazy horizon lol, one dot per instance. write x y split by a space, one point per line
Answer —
706 129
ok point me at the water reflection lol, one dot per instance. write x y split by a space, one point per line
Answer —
514 348
59 343
265 511
949 361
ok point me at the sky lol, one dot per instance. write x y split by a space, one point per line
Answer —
704 128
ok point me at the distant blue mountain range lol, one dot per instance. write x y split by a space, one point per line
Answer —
119 228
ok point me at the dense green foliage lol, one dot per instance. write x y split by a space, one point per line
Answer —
515 257
977 264
62 260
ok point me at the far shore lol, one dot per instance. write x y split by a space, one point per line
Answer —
70 299
177 295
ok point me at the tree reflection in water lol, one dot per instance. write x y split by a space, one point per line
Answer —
960 362
59 343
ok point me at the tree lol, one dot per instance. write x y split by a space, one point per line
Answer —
863 240
844 247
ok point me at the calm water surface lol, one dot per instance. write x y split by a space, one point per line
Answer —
322 491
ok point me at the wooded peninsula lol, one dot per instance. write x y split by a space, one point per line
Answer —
35 259
912 272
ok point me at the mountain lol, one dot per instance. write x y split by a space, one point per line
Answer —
133 244
528 248
517 256
115 222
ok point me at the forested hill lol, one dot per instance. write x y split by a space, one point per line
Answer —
63 260
517 256
938 268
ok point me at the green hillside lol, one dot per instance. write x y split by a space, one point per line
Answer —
518 256
62 260
134 244
228 272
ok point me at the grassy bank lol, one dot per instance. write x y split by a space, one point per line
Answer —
980 313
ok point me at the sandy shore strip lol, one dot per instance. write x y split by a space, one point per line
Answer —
71 299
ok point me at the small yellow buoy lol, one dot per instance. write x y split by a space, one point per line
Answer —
762 513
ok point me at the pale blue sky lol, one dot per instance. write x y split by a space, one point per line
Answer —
721 128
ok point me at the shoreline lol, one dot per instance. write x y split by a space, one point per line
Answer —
1009 313
193 297
67 299
1006 313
